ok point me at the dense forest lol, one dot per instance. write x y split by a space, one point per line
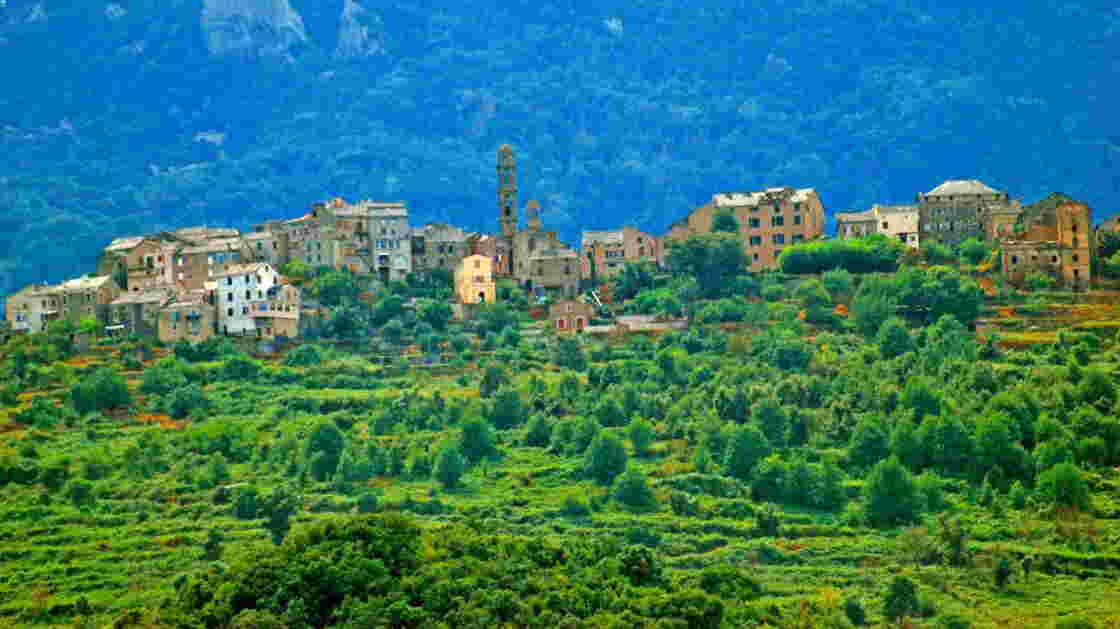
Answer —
124 117
830 450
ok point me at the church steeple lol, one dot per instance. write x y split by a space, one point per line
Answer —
507 191
533 211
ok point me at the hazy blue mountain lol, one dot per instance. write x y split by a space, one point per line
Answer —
121 117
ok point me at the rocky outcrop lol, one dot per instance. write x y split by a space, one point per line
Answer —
252 28
359 33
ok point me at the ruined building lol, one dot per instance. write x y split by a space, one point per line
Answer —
961 209
1054 236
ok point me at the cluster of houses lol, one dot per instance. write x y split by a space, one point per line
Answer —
194 283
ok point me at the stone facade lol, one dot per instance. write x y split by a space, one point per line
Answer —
190 317
195 265
570 315
769 220
604 253
439 246
33 308
137 313
552 272
88 297
474 280
1058 241
277 314
961 209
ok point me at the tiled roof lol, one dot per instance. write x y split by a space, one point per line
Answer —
855 217
124 244
85 283
244 269
612 237
155 295
230 244
961 187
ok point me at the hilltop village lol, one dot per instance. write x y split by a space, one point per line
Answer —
197 282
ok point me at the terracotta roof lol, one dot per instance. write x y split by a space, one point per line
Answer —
961 187
230 244
85 283
125 243
244 269
612 237
155 295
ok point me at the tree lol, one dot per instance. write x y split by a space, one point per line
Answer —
748 446
891 494
605 458
435 313
633 279
772 418
327 442
1065 486
869 443
278 508
712 259
101 390
539 432
869 311
858 255
185 400
997 445
493 379
476 440
569 354
392 332
632 489
507 410
449 466
893 338
335 287
838 281
304 356
641 435
901 599
973 251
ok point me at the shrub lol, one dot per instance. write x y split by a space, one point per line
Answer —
450 466
538 433
605 458
1073 623
901 599
748 446
575 507
891 494
1065 486
304 356
641 435
838 281
859 255
853 609
632 489
101 390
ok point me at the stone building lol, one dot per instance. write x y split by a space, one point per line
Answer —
137 313
195 265
139 263
439 246
390 240
1057 239
895 221
604 253
474 280
277 314
189 317
552 272
268 246
32 308
1111 225
570 315
88 297
960 209
238 287
769 220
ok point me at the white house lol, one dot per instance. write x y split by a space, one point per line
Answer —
238 287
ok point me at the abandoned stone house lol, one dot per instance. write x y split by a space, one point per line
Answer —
570 315
958 210
1055 237
604 253
440 246
139 263
189 317
137 313
769 220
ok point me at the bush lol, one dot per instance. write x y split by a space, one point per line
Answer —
450 466
859 255
838 281
605 458
1073 623
101 390
901 599
641 435
1064 486
891 494
853 609
632 489
303 356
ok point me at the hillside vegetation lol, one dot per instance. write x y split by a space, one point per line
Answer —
829 451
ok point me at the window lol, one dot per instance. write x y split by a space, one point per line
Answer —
1014 259
229 281
1053 259
756 257
1076 257
248 294
229 311
229 296
778 221
756 241
796 207
244 310
560 324
797 220
755 223
884 224
779 239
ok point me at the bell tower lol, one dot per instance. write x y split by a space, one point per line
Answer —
533 211
507 191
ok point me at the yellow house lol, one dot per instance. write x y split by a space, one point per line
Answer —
474 280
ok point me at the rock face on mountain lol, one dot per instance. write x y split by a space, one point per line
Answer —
359 32
251 28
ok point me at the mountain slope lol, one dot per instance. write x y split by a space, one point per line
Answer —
130 116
